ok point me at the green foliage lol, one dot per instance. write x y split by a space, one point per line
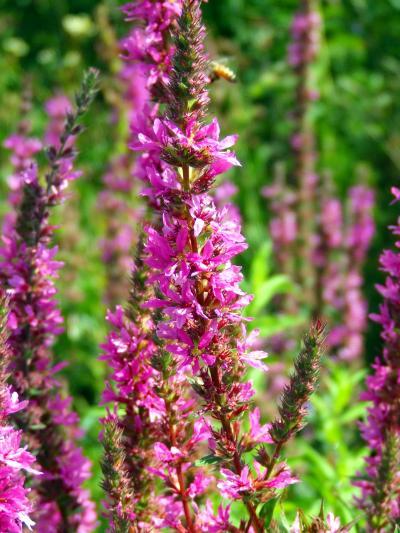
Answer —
267 512
330 459
49 44
265 287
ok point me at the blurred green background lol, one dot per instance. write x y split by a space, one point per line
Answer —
47 44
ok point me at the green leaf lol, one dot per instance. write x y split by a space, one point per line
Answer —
37 427
266 291
271 325
267 511
260 267
208 460
354 412
320 462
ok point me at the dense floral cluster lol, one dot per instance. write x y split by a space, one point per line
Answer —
185 323
117 201
343 286
146 46
381 484
15 507
28 270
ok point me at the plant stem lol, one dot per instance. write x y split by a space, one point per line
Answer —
179 473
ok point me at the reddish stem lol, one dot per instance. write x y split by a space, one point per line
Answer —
179 473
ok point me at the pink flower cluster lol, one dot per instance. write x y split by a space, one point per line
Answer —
346 284
28 269
320 242
306 37
184 323
23 149
15 461
383 393
15 507
145 47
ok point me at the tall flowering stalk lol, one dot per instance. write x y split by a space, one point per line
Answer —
196 312
302 53
128 431
28 270
380 483
136 387
126 93
15 507
320 241
358 231
293 201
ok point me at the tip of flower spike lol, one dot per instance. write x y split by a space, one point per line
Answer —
319 328
88 90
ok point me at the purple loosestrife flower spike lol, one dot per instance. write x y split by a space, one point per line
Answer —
357 241
127 96
148 47
198 300
380 484
28 270
156 409
187 94
302 53
15 507
314 243
156 433
128 350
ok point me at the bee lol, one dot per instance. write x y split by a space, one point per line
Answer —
219 71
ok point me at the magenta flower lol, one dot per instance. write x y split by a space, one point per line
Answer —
259 433
15 461
234 484
28 272
211 522
147 46
180 352
199 146
23 149
380 498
